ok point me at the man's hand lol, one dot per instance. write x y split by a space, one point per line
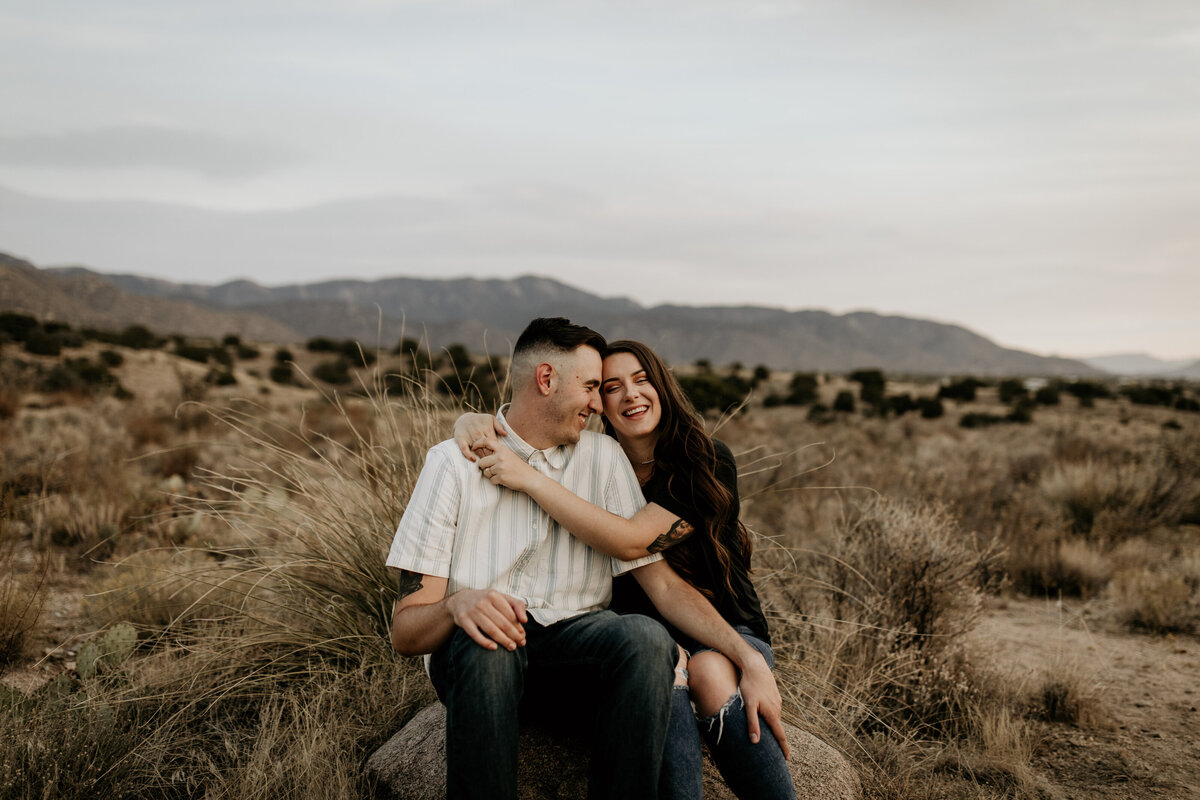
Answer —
491 618
760 695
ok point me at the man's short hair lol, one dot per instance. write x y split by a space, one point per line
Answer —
547 337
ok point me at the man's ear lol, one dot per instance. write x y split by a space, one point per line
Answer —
544 378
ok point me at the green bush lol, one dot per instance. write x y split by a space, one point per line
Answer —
871 385
931 407
40 343
709 391
962 390
111 358
802 389
1011 390
281 373
17 326
336 371
1046 396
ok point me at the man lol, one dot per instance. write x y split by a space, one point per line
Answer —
499 591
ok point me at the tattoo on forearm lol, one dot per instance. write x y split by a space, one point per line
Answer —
410 582
679 531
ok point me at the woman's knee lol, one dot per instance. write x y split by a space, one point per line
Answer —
712 679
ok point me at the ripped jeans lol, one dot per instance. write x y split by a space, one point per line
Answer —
752 771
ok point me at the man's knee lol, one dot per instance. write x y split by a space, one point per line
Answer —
647 642
462 662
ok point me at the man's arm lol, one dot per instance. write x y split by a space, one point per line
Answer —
424 616
691 613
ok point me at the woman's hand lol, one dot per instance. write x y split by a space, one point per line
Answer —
760 695
506 468
476 435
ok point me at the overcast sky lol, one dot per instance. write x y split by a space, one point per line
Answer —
1027 168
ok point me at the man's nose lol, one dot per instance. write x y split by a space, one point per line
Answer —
594 403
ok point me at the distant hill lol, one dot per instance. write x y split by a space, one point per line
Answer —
490 313
1143 365
91 299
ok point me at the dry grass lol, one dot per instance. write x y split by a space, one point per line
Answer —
247 543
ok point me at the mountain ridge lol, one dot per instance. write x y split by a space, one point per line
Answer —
489 314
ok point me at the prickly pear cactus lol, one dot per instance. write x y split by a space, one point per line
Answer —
117 645
87 659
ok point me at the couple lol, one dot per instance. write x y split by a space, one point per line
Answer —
506 602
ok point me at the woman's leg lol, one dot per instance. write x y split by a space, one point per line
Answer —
750 770
680 777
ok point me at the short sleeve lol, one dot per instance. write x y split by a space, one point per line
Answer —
424 540
623 496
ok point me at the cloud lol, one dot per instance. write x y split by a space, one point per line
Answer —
147 146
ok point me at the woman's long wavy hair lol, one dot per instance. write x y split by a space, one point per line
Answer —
686 456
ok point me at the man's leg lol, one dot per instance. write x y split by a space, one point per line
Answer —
633 659
480 689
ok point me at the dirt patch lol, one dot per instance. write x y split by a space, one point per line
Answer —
1148 685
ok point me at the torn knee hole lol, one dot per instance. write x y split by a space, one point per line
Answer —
718 719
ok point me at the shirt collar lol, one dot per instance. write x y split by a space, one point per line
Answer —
557 456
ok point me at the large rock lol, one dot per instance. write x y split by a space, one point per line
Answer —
412 765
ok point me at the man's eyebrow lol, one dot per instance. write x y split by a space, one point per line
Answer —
592 384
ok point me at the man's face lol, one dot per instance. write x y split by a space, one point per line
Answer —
576 394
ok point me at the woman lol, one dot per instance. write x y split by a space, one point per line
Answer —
690 481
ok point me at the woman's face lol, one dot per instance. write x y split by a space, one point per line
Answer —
630 402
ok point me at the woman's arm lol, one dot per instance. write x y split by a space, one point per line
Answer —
476 434
651 530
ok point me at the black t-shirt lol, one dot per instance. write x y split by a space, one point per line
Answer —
739 607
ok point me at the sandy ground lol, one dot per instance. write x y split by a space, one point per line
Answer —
1148 685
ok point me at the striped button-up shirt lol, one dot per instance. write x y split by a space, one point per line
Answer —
459 526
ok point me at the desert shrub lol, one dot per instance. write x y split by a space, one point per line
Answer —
281 373
1022 412
283 355
802 389
980 419
901 404
871 385
1044 563
1011 389
138 337
709 391
220 377
1047 395
1113 502
844 402
336 371
17 327
111 358
21 599
40 343
1152 394
904 585
761 373
931 407
820 414
1065 693
1187 404
1159 599
156 589
245 352
962 390
78 375
1087 390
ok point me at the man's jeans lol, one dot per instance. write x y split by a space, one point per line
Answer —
626 663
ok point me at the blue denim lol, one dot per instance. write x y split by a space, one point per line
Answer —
757 771
682 760
626 662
